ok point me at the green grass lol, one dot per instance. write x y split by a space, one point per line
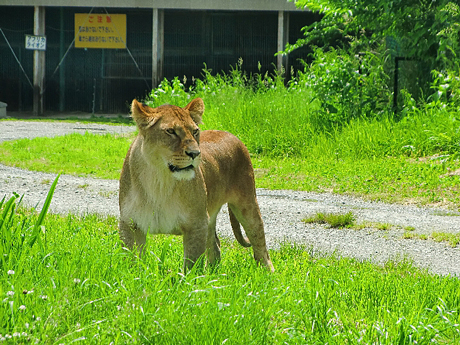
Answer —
334 220
99 156
452 239
77 283
391 179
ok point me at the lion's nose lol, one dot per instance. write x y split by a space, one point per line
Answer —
193 153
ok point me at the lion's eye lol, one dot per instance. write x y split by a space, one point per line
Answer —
196 132
171 131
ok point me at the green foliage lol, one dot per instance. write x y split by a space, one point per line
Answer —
425 31
446 87
347 86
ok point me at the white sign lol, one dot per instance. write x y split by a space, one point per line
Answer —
35 42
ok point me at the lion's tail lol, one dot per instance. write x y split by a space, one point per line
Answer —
237 229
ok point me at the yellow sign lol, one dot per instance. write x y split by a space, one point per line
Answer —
100 31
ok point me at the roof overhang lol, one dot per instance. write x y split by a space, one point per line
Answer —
232 5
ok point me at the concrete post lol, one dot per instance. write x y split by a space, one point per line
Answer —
61 55
283 37
39 62
157 46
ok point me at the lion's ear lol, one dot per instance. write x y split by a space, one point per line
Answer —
196 109
142 115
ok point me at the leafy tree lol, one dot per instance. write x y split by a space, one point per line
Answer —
423 29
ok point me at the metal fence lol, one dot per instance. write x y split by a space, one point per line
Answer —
106 80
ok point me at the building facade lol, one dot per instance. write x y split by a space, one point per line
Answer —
95 63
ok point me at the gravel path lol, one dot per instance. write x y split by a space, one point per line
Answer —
282 210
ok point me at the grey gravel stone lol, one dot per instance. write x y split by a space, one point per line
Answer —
282 210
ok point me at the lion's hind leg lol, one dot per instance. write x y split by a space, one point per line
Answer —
248 214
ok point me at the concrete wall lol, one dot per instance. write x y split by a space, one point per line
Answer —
254 5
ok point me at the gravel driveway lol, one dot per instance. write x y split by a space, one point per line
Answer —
282 210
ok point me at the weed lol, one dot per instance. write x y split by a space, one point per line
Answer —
452 239
409 235
107 194
383 226
334 220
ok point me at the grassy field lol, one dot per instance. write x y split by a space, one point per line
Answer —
74 282
414 160
66 279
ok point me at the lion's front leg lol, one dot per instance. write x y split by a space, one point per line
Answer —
194 245
132 236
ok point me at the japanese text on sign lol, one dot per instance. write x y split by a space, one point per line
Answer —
100 31
35 42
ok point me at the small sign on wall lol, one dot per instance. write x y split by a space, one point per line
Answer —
35 42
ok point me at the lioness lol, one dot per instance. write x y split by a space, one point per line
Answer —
175 179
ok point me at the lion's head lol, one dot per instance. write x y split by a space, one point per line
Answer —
171 136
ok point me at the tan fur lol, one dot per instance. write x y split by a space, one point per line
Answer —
156 196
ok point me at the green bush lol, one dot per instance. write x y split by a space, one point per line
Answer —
347 86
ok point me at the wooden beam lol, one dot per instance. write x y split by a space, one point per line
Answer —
157 46
39 62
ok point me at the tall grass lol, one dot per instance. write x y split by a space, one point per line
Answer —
18 232
268 117
278 121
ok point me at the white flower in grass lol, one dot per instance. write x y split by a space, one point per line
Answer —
10 293
10 272
76 280
22 307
